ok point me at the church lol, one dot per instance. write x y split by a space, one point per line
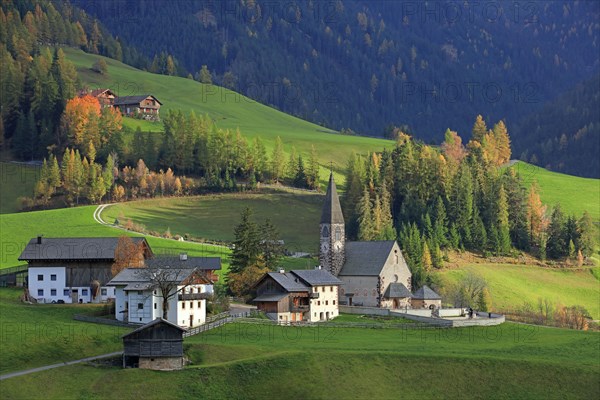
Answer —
374 273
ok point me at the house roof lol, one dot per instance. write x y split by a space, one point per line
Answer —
270 297
288 281
315 277
98 92
124 100
366 258
332 211
426 293
396 290
151 324
56 249
204 263
132 276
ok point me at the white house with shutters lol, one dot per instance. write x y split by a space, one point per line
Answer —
139 299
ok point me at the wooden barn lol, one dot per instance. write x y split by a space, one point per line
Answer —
73 270
157 345
145 106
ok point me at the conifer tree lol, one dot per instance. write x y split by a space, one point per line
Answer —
366 226
292 165
426 257
270 246
277 161
440 226
557 245
246 243
502 221
586 237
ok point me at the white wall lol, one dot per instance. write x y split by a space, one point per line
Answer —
326 303
84 293
363 287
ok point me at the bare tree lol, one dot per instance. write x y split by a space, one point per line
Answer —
170 282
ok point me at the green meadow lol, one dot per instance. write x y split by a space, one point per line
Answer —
574 194
296 214
512 285
17 229
262 362
16 180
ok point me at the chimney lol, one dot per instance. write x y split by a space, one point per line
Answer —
39 239
183 256
281 271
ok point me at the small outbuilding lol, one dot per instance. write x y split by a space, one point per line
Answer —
157 345
425 297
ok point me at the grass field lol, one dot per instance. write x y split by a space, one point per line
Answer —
295 213
229 109
251 362
512 285
16 230
16 181
575 194
42 334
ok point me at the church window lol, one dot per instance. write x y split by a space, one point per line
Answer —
338 234
396 258
395 278
325 231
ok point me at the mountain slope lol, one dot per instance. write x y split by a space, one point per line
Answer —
366 64
229 109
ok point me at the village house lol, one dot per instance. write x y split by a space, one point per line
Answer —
373 273
73 270
157 345
298 295
138 291
144 106
105 97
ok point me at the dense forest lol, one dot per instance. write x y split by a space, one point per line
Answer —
457 197
365 66
564 135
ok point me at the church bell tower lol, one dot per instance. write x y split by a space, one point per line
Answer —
333 236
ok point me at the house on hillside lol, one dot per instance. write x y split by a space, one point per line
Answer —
138 291
144 106
298 295
73 270
105 97
157 345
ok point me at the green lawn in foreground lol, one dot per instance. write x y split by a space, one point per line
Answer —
43 334
264 362
295 214
575 194
512 285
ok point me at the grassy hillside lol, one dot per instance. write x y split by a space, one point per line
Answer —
574 194
42 334
512 285
295 213
229 109
16 181
17 229
246 361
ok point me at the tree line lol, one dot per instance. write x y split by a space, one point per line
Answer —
456 197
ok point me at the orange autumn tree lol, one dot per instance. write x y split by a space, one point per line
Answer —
128 254
81 122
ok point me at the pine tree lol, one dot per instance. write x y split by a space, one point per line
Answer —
587 238
354 189
557 245
271 248
502 221
483 300
426 257
246 245
205 75
387 221
292 165
479 129
277 161
571 249
300 177
366 228
440 225
54 173
312 174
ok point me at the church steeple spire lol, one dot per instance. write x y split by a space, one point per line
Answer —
333 238
332 211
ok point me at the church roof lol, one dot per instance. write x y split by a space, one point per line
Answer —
315 277
426 293
332 211
396 290
366 258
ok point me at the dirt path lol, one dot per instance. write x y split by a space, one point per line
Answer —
47 367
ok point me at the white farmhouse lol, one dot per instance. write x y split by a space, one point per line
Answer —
298 295
185 282
73 270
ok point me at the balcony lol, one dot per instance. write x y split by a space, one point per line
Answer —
193 296
300 308
314 295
